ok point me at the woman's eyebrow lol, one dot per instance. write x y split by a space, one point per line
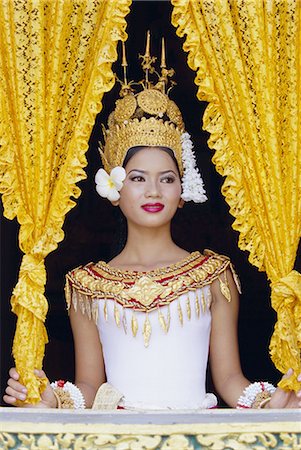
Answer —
137 170
145 171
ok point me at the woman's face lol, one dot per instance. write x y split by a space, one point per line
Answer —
151 192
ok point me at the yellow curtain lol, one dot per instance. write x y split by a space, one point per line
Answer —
247 58
55 65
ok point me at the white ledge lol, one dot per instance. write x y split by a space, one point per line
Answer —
87 416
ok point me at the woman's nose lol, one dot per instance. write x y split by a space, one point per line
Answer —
152 189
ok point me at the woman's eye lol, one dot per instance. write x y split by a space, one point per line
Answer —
168 179
137 178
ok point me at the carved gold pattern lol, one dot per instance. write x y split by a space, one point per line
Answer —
149 441
243 441
145 291
152 101
125 108
174 114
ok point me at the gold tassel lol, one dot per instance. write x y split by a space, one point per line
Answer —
209 297
124 322
188 309
74 299
197 304
88 307
82 304
203 301
105 310
147 331
68 294
116 314
225 288
163 323
168 317
95 310
180 314
134 324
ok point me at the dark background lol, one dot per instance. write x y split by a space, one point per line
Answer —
92 227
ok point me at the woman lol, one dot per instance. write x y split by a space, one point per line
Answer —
143 323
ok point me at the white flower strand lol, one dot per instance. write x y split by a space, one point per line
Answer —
250 393
74 392
192 182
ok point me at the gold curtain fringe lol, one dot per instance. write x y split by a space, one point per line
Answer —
286 339
103 81
185 19
71 171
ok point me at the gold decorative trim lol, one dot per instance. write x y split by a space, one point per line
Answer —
247 441
148 291
235 435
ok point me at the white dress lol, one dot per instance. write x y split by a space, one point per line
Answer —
171 371
154 327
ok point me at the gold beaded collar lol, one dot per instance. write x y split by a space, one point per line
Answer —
146 291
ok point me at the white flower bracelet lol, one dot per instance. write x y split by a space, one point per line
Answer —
68 395
256 395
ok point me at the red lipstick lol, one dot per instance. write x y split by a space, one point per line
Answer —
153 207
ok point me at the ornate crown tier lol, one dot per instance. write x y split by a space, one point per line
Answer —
145 132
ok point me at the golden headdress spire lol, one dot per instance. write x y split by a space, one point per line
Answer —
147 61
124 64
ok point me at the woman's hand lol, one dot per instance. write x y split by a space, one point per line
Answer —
285 399
16 391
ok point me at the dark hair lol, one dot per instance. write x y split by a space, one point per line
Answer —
133 150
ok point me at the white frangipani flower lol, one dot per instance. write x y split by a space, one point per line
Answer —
108 186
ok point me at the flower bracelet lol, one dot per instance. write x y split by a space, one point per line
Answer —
68 396
256 395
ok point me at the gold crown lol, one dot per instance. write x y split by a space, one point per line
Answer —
147 118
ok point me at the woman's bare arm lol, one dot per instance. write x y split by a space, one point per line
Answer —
89 364
227 375
225 365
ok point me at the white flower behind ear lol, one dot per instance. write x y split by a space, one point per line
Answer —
192 182
108 186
